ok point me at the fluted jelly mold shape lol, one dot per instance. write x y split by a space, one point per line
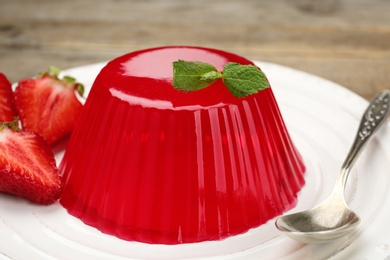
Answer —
150 163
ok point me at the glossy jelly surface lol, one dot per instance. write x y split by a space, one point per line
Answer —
150 163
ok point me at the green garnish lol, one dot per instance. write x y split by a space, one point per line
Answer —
14 125
54 71
241 80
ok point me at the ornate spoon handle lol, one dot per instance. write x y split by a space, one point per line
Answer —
374 116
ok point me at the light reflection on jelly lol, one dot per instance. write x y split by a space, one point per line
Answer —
155 103
156 64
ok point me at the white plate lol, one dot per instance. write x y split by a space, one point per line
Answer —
322 118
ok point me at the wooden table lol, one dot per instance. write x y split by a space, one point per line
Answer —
344 41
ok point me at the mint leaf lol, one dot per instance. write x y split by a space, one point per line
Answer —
193 75
243 80
212 76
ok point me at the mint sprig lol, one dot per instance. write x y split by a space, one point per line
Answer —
241 80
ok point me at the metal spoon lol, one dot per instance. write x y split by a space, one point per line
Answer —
333 219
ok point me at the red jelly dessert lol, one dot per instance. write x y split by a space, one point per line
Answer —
147 162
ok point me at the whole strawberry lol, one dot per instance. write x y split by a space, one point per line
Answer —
48 105
7 105
27 166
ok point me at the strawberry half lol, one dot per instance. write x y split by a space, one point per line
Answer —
27 166
48 105
7 105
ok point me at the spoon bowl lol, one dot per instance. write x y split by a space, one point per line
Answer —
333 219
328 221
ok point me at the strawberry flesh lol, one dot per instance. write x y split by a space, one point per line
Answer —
7 105
48 106
28 168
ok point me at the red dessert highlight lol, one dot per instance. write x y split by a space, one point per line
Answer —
147 162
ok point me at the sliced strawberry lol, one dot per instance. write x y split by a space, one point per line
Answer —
48 105
7 105
27 166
